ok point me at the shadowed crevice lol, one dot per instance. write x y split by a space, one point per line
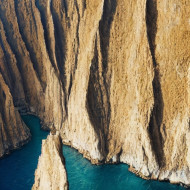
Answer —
157 112
60 49
13 46
8 76
27 43
65 7
96 104
105 27
109 10
43 8
60 42
72 74
44 21
98 94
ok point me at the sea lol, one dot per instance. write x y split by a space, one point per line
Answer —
17 169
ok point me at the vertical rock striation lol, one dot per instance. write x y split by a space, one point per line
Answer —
169 36
13 132
51 173
130 75
112 76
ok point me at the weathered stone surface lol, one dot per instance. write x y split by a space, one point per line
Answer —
51 173
112 76
13 132
169 41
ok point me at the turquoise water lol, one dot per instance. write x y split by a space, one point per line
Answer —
17 170
85 176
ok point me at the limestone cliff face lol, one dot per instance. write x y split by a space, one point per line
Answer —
13 132
113 76
169 39
51 173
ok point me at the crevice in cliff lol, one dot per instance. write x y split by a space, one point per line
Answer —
11 44
70 85
109 10
65 6
77 35
59 34
11 69
42 8
8 75
12 128
2 140
47 38
72 75
3 115
157 112
60 50
32 54
95 104
83 7
14 39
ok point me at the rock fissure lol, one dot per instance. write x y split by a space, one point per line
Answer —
157 110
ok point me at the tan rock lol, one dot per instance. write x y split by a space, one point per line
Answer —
51 173
13 131
112 76
171 51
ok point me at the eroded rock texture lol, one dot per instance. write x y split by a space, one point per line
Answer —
113 76
51 173
13 132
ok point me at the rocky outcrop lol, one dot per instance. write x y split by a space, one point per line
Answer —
51 173
111 76
25 65
13 132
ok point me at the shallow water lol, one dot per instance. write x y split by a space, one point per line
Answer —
17 169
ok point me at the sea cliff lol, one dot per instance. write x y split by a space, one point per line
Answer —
112 76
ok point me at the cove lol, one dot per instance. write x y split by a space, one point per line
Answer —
82 175
17 169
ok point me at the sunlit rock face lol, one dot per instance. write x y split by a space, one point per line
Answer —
51 173
113 76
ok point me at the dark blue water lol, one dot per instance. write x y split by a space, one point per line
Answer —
17 170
